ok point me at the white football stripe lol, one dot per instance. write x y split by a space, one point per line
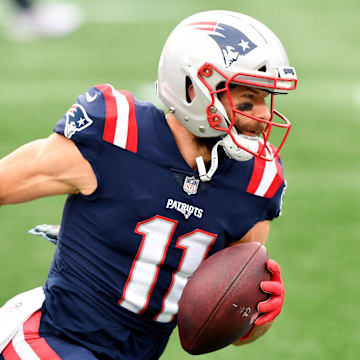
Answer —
122 122
22 348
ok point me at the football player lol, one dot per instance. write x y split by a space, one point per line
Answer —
151 196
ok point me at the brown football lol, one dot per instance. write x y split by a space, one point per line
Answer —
218 304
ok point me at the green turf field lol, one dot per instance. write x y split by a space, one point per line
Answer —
316 241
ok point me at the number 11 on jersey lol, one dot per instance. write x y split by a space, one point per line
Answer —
157 234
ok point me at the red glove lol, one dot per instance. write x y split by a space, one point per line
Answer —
271 307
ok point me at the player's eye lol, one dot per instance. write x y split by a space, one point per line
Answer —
249 96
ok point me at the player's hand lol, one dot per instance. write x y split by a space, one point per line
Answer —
270 308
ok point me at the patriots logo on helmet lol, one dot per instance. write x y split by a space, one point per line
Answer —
76 120
232 42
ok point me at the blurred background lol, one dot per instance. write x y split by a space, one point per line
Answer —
316 240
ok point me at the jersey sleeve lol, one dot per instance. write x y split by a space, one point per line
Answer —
84 122
102 114
268 181
274 207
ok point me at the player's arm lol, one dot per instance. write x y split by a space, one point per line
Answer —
275 288
259 232
45 167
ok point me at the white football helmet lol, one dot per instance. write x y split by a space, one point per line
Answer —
211 50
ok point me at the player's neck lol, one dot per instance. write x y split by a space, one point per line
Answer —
188 144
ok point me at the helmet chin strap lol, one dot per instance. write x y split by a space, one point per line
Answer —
206 176
231 150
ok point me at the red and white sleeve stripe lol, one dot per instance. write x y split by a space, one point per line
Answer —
267 177
120 121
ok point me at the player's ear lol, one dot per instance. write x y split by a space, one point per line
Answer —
190 91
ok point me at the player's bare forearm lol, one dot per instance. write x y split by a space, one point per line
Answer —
256 332
42 168
259 232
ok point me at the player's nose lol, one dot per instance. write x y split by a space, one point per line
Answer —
262 111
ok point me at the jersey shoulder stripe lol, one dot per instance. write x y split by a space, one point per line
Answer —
120 126
267 176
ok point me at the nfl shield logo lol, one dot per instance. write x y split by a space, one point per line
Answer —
191 185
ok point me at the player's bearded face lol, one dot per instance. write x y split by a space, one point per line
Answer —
250 101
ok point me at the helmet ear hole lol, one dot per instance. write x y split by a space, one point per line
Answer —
188 83
263 68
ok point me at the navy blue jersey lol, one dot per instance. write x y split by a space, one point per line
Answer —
126 251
